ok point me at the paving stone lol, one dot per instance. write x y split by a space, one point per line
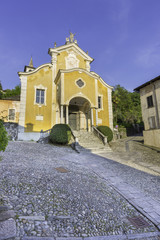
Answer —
51 218
38 238
6 215
7 229
33 187
70 238
33 218
111 237
155 216
143 235
3 208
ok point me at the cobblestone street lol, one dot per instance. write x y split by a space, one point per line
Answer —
58 193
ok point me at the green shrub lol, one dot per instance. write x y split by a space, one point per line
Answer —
60 133
3 137
106 131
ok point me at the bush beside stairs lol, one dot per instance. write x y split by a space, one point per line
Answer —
88 141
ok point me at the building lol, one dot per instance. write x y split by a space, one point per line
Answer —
9 109
150 104
63 91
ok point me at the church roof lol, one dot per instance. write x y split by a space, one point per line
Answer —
31 62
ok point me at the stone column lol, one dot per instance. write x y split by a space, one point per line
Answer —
66 114
61 113
96 117
92 120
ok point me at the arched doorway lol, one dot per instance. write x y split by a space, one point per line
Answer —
79 114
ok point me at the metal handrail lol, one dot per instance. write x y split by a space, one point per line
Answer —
44 134
75 138
100 135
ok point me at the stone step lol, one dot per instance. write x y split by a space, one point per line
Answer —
89 142
94 150
87 145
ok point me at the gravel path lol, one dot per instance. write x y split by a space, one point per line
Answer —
55 194
140 166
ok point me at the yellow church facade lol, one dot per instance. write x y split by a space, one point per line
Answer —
63 91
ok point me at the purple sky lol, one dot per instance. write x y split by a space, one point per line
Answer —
123 36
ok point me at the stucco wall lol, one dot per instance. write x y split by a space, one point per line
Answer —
103 114
61 63
152 137
71 89
5 105
41 78
150 112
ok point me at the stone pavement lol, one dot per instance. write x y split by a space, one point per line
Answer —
59 194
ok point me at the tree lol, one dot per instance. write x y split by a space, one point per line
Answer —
0 86
1 91
126 106
3 137
12 92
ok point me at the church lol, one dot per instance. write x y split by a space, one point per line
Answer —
63 91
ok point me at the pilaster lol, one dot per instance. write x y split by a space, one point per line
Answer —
88 67
96 92
110 111
54 70
23 103
62 88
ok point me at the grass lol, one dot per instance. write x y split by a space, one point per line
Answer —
1 201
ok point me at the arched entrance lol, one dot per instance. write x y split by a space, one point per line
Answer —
79 114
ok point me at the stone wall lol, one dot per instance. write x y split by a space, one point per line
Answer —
12 130
152 137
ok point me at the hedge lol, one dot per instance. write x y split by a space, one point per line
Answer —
60 133
3 137
106 131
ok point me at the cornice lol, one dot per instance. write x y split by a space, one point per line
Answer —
35 70
102 81
92 74
71 46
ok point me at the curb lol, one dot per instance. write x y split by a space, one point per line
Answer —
110 237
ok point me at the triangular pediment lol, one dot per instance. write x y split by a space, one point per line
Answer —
72 48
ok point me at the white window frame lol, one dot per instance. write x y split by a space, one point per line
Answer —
40 87
101 96
152 122
9 114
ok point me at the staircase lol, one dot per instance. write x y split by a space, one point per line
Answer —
89 142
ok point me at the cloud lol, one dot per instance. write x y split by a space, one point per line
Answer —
149 56
120 14
124 10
